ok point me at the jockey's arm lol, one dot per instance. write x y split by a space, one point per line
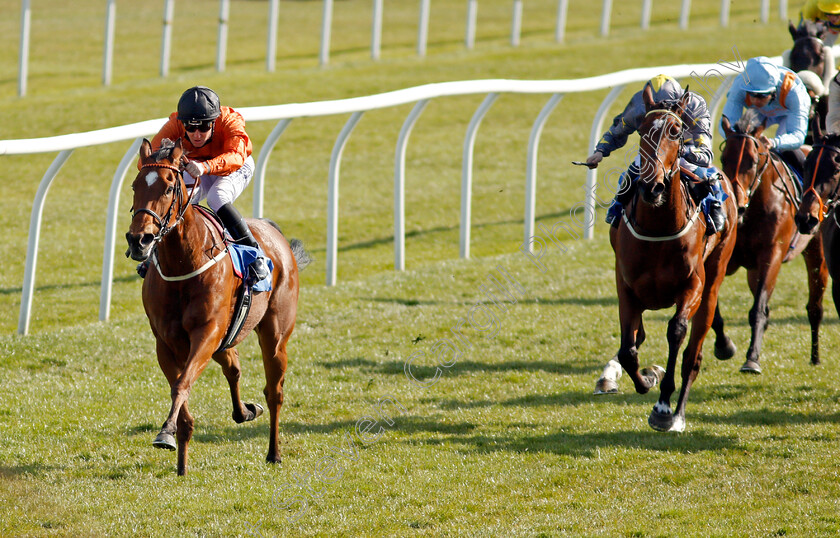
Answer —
623 126
791 132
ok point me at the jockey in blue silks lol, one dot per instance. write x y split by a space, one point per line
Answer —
780 98
697 155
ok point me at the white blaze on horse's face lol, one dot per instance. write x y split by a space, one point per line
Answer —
151 177
658 122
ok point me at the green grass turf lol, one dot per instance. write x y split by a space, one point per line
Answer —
509 441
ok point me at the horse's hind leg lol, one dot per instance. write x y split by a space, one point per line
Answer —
817 282
242 412
724 348
608 382
274 361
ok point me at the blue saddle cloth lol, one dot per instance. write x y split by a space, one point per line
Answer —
242 256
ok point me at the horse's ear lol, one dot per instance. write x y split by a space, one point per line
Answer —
145 150
792 30
727 127
647 97
683 104
177 151
820 30
815 123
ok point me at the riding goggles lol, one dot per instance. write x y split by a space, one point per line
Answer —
202 126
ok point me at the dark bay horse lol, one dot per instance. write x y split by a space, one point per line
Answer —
189 296
767 202
807 50
808 54
818 210
663 258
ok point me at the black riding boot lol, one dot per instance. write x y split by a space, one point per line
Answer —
235 224
715 214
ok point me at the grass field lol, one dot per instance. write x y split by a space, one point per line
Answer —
509 441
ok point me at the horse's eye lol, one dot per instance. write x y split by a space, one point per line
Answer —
170 189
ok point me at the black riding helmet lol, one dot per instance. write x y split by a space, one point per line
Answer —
199 103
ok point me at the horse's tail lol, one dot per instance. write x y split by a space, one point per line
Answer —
301 256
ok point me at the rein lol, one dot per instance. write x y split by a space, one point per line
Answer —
755 183
830 200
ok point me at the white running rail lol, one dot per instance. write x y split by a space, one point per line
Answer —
284 114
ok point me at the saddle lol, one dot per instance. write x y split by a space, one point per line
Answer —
243 298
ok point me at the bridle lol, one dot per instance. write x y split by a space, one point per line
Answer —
675 166
831 200
163 222
756 180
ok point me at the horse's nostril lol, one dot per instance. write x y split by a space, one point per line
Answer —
658 189
146 240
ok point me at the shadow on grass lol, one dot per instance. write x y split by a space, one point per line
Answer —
405 424
38 470
96 284
463 367
766 417
438 229
587 444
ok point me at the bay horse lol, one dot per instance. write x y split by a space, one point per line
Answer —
663 258
817 213
189 296
808 54
807 50
767 202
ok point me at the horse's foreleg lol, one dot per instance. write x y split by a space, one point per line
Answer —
661 418
169 366
201 349
724 348
701 320
762 281
185 431
632 336
242 412
817 282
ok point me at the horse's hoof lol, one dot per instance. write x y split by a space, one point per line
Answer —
751 367
726 351
165 440
661 422
255 409
606 386
654 374
252 411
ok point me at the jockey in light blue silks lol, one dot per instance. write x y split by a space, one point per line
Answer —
780 98
696 157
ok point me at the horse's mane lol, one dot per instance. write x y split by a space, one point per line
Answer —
165 151
748 121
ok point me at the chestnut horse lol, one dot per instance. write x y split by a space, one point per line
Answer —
818 210
663 258
190 291
767 201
